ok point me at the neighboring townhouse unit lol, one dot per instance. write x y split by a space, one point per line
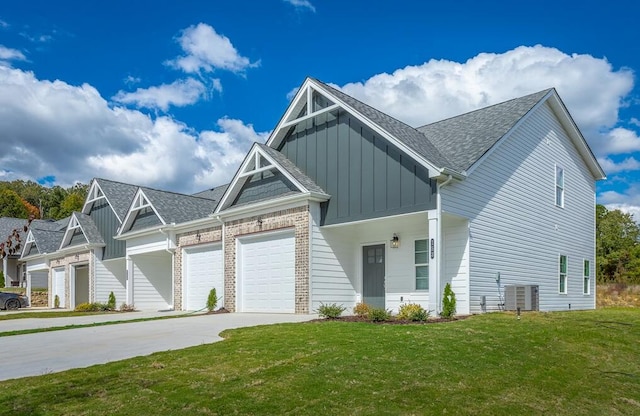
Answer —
10 264
149 230
346 204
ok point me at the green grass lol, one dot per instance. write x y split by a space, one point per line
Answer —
572 363
44 315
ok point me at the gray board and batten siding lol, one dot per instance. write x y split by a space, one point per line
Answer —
264 185
366 176
77 238
145 218
107 223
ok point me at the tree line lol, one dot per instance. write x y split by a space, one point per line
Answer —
617 234
29 199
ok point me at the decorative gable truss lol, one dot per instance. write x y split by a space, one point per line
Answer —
74 233
263 176
96 194
30 244
141 214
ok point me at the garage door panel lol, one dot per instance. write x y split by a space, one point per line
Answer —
203 271
267 281
151 282
59 286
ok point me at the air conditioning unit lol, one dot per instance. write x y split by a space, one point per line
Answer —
524 297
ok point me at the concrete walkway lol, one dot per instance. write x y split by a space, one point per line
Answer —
50 352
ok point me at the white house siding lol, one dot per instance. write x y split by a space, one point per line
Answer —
333 269
152 281
515 227
337 260
455 252
111 276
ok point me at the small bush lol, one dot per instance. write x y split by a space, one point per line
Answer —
332 311
448 302
92 307
111 303
361 309
412 312
56 302
379 314
212 300
127 308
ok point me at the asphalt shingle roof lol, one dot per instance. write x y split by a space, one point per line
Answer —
91 232
292 169
47 241
214 194
118 194
178 208
465 138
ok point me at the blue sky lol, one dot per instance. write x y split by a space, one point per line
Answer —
172 94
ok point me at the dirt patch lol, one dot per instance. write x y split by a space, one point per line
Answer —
221 310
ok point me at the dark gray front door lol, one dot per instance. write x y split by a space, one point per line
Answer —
373 275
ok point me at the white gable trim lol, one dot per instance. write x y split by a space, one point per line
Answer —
305 92
95 194
28 243
245 171
140 201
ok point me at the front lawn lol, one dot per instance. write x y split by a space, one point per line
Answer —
570 363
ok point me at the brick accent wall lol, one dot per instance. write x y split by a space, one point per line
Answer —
294 218
67 262
185 240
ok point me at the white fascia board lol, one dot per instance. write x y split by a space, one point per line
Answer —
264 207
68 232
134 209
310 115
301 94
146 231
235 179
200 223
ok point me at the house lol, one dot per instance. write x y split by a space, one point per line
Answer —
345 204
87 263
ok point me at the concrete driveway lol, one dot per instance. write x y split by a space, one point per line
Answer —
50 352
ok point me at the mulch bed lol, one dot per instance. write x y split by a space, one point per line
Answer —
393 321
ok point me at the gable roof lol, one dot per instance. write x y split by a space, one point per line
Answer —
46 241
446 147
465 138
81 221
273 160
117 194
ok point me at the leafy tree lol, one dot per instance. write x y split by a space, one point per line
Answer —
72 202
11 205
617 246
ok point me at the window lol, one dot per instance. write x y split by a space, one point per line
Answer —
421 262
559 186
562 283
586 278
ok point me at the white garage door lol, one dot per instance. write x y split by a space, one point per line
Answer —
202 272
58 286
266 273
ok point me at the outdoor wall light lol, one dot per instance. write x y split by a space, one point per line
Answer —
259 221
395 241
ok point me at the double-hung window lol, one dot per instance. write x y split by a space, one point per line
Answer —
586 278
421 264
562 275
559 186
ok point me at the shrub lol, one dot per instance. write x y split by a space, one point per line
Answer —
361 309
92 307
212 300
332 311
448 302
379 314
412 312
56 302
127 308
111 303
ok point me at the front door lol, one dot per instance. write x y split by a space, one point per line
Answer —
373 275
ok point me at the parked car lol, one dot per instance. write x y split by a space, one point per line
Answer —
13 301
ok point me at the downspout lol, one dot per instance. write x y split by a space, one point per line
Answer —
439 251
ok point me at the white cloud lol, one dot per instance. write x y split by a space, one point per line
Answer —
179 94
634 121
301 4
206 50
4 24
8 54
131 80
51 128
590 87
628 164
292 93
617 141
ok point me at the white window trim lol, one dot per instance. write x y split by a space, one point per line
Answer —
561 186
566 274
415 265
586 277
